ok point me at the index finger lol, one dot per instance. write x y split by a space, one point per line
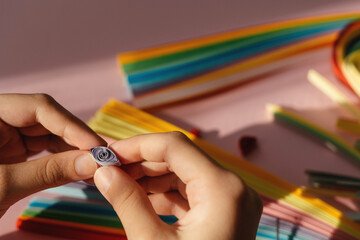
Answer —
174 148
24 110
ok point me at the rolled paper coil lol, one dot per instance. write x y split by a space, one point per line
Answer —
105 156
345 58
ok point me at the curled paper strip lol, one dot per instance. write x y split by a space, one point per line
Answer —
346 55
104 156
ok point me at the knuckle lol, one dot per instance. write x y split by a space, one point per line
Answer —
177 136
50 174
45 99
237 189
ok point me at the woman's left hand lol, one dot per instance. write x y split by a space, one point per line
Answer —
29 124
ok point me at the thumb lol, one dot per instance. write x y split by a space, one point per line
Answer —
130 203
23 179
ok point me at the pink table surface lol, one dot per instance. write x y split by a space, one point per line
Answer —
67 49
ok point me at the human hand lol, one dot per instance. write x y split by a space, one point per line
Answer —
173 177
30 123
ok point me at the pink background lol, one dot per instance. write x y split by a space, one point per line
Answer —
68 48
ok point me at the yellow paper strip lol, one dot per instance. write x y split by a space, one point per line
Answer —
333 93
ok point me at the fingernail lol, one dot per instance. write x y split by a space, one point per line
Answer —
85 166
103 179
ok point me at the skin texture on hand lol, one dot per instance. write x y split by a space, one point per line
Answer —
29 124
166 174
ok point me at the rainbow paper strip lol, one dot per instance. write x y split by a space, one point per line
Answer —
192 68
271 208
118 121
292 217
89 221
278 212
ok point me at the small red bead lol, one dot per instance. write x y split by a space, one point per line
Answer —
195 131
247 144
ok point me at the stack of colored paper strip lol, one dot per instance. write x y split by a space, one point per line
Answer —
196 67
82 220
74 219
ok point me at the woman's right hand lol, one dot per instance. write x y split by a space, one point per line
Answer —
166 174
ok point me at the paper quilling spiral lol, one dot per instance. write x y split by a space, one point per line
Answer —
105 156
